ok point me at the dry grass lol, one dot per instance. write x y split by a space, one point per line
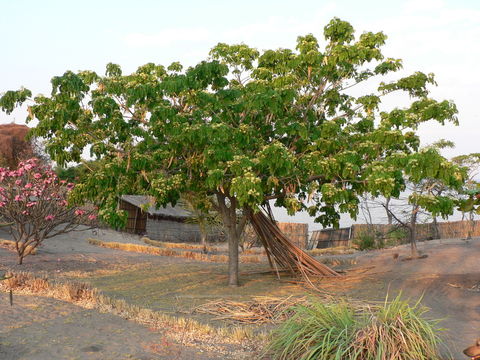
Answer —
254 251
10 245
260 310
339 250
170 245
85 296
25 283
169 252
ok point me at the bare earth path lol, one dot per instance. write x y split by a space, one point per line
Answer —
46 329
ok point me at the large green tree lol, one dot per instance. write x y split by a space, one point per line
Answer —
247 126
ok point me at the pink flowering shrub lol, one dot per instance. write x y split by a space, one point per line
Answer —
34 205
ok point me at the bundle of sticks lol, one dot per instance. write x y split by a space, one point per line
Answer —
282 254
260 310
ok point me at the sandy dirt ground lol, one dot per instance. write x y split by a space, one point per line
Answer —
448 280
46 329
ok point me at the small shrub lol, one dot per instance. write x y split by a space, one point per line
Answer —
365 241
315 331
394 330
396 237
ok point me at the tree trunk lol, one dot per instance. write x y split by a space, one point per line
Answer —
413 232
387 209
203 237
20 259
203 241
436 233
471 227
232 257
228 211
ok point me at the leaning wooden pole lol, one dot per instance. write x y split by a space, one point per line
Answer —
284 254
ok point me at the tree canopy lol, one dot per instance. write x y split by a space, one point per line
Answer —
247 126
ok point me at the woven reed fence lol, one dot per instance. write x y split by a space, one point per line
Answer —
428 231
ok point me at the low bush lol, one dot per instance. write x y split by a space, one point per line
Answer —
395 330
365 241
396 237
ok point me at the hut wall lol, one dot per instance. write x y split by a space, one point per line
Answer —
136 218
172 231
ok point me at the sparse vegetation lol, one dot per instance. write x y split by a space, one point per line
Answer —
365 241
396 237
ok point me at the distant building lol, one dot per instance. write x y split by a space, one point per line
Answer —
165 223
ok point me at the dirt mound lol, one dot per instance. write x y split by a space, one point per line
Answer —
13 144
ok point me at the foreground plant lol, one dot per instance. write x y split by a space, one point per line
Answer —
33 202
393 331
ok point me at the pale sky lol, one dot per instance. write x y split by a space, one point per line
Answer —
42 39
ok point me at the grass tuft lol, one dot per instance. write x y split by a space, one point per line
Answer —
394 330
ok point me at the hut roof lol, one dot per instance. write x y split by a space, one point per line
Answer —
141 201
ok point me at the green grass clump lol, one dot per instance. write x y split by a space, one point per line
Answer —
395 330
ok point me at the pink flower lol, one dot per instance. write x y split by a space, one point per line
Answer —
70 186
79 212
18 198
92 217
31 203
63 182
28 186
2 203
18 182
62 202
49 217
37 175
25 212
